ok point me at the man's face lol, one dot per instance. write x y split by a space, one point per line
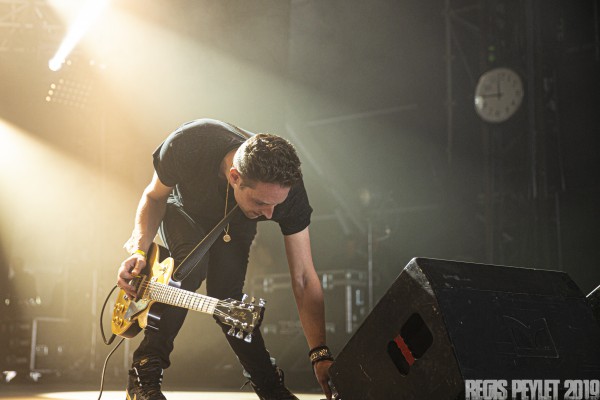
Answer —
260 199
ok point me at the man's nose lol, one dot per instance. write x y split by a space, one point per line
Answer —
268 211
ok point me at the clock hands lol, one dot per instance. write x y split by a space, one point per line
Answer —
497 94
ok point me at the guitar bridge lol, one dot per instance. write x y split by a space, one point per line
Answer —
138 304
136 307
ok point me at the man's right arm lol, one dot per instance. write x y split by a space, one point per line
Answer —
150 212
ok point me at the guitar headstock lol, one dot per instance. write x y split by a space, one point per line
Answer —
243 317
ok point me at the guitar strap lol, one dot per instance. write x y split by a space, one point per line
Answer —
193 259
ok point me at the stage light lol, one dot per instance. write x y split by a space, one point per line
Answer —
55 64
70 92
91 11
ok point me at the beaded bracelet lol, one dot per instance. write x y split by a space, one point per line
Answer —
320 353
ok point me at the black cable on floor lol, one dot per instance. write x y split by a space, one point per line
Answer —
104 367
107 342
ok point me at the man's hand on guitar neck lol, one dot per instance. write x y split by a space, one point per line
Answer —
129 269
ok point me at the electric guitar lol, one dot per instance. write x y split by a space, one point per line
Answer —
154 285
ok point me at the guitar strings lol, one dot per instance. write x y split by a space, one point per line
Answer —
168 292
175 296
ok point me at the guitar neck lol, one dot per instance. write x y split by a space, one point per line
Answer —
181 298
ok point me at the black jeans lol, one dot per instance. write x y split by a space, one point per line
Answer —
224 268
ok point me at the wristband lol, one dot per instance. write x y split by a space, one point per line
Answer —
140 252
320 353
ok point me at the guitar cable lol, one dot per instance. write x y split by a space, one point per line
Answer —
107 342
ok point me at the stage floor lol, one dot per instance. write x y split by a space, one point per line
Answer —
30 394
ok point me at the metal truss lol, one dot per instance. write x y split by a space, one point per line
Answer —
518 199
29 26
462 28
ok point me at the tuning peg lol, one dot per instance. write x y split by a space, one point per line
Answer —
231 332
262 302
244 297
248 338
240 335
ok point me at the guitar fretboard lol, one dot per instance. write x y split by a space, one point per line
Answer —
180 298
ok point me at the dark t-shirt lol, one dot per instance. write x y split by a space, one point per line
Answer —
189 159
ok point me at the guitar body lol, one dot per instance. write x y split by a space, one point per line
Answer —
130 316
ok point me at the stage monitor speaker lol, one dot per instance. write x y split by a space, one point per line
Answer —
443 322
593 299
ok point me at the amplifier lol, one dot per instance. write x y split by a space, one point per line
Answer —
35 345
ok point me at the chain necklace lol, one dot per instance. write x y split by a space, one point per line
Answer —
226 237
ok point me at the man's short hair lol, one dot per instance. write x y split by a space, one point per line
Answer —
269 159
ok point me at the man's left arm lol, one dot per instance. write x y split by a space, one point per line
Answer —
309 299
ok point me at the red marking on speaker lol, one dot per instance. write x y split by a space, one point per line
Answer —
410 359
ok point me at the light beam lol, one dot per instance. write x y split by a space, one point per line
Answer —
90 13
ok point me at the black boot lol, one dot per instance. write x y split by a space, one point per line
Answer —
145 378
274 390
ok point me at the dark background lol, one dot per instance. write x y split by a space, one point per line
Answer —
378 98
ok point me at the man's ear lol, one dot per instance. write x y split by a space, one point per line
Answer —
234 176
236 179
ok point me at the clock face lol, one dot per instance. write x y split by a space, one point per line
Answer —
498 95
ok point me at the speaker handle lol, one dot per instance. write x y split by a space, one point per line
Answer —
593 300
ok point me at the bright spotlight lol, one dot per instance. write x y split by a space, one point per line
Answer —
82 23
55 64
